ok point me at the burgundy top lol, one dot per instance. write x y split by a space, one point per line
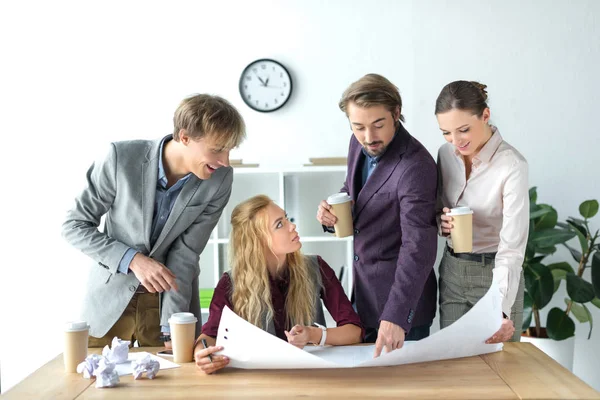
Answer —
332 294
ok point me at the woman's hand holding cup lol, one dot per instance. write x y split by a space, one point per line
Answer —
446 221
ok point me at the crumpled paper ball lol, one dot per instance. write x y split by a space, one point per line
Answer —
89 365
147 365
119 352
106 375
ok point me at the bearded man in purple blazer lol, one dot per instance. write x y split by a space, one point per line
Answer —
392 180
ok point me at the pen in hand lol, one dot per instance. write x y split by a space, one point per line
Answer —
206 346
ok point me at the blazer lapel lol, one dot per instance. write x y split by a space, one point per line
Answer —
187 192
387 164
354 168
149 182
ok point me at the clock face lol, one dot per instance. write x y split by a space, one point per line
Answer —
265 85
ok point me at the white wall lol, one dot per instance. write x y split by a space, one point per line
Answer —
75 76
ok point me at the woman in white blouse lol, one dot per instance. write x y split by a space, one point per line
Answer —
480 170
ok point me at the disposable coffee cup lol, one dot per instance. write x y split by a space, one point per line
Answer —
341 207
76 344
462 233
183 332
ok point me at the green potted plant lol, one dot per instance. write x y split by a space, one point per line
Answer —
543 280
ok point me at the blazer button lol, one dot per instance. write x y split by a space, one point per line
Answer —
356 231
355 258
132 288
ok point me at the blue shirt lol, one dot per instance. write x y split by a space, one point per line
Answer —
367 169
368 166
371 162
163 204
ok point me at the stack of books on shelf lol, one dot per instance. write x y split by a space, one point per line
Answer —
240 164
326 161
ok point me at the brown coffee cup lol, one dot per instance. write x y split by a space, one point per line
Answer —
183 335
75 344
462 232
341 207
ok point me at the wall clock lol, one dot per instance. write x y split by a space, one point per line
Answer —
265 85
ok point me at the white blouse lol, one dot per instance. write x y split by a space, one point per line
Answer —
498 193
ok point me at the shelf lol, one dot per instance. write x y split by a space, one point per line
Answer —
207 279
218 241
300 169
303 193
244 187
298 190
325 239
335 254
302 239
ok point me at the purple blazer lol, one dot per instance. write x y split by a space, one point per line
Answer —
395 234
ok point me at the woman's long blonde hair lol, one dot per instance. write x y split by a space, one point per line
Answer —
251 294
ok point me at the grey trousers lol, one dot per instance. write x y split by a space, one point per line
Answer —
464 282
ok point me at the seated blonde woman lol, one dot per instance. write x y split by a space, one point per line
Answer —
274 287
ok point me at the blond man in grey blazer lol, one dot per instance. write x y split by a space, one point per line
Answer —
162 199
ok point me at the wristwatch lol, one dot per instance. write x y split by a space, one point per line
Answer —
165 338
323 335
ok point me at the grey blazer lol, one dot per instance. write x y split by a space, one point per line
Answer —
123 187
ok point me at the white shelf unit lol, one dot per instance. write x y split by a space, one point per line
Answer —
298 191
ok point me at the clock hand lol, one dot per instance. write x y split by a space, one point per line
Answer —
260 79
274 87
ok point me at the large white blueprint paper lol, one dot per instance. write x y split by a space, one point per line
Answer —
252 348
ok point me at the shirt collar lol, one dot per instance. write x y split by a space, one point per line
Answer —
162 176
489 149
371 158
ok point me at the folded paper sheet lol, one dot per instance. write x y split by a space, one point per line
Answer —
252 348
127 368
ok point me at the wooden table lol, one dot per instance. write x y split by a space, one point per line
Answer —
520 371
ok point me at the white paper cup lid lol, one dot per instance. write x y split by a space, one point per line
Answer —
183 318
338 198
76 326
460 211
